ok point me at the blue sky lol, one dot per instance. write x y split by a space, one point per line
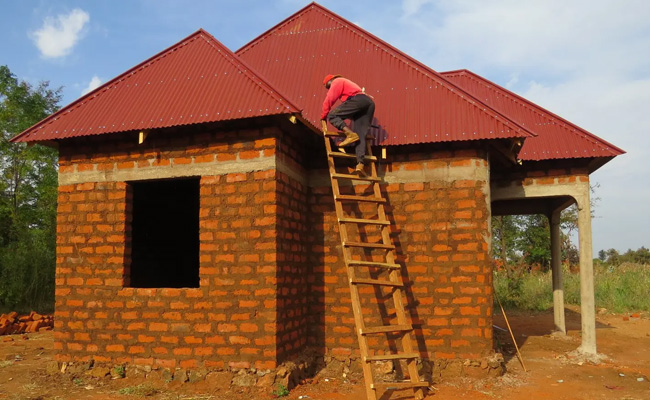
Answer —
585 60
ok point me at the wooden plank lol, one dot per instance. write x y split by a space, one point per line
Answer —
338 154
370 199
399 356
360 263
369 245
386 329
364 221
399 385
380 282
354 177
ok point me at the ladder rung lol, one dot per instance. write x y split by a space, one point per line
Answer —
399 385
401 356
334 134
369 245
346 197
380 282
386 329
338 154
364 221
355 177
358 263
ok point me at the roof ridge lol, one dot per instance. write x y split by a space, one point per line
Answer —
227 54
385 46
539 110
270 89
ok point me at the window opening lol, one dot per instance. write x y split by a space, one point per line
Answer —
165 234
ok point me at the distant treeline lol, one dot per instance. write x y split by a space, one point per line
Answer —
28 194
613 257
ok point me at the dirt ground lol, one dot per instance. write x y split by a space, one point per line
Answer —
553 373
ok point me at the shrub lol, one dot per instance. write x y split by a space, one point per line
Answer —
618 289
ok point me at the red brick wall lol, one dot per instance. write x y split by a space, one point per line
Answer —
442 231
235 317
293 268
271 276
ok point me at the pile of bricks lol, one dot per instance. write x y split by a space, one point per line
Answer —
12 323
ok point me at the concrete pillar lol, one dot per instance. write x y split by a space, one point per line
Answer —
587 300
556 265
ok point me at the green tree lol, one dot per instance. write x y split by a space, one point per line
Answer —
28 189
534 241
504 234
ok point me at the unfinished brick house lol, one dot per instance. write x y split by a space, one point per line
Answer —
196 226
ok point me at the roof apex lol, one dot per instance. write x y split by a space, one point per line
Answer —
143 93
310 32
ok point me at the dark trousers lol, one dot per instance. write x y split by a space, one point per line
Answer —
360 109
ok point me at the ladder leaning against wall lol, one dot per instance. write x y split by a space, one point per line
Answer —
376 287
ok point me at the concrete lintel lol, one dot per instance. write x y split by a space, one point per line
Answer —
518 191
444 174
169 171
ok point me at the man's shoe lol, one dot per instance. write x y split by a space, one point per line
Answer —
360 169
350 138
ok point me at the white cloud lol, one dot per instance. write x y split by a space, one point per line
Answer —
585 60
57 37
94 83
410 7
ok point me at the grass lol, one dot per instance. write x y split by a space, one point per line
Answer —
618 289
119 371
281 391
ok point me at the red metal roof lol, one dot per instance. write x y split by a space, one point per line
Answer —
556 137
197 80
414 103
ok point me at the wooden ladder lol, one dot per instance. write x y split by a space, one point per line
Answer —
370 261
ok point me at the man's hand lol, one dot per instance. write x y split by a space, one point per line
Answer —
324 124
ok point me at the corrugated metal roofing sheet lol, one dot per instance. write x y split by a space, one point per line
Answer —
197 80
556 137
414 103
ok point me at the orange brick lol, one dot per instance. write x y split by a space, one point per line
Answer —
471 332
192 340
125 165
204 328
247 155
248 328
158 327
115 348
470 310
239 340
224 351
136 349
182 351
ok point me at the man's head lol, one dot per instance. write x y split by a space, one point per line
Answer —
328 80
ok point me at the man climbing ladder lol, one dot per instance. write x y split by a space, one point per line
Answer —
356 105
378 294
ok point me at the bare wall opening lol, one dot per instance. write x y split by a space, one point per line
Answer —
165 233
